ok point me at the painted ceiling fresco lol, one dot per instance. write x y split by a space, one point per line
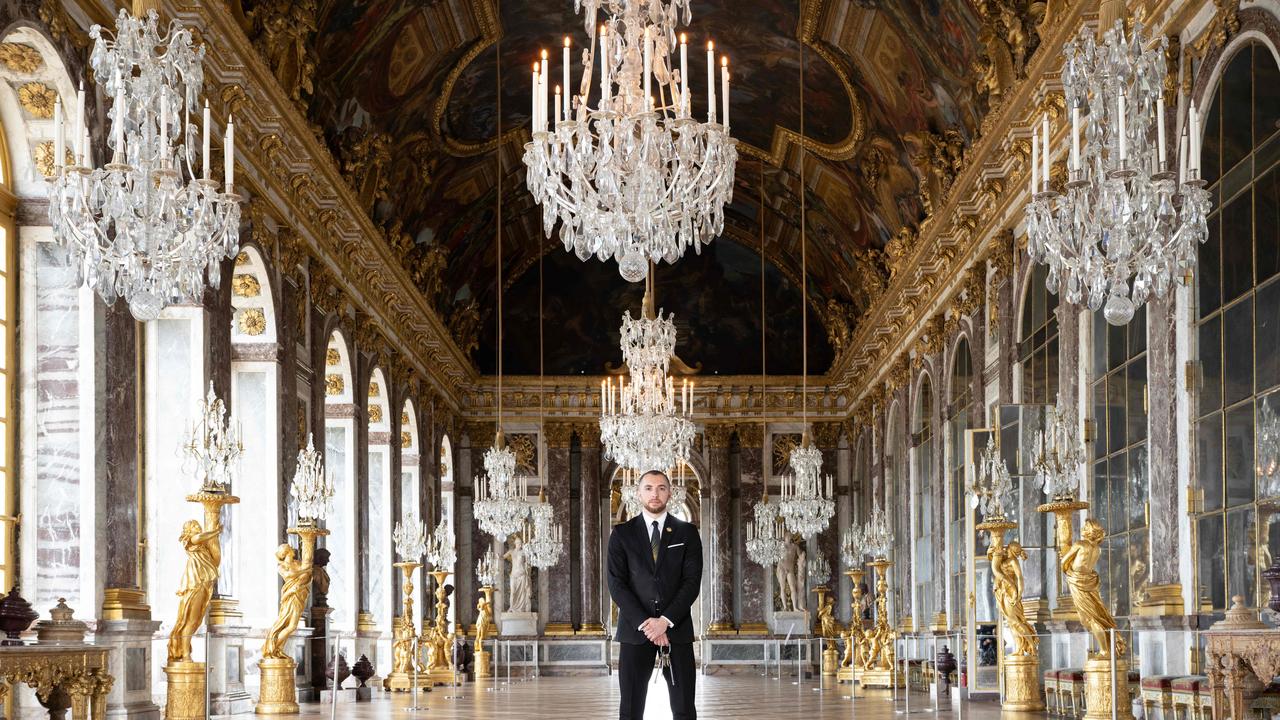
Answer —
417 81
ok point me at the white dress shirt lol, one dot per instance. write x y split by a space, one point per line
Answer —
649 520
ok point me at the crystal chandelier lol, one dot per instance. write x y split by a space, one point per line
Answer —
212 447
142 227
636 177
543 537
644 424
876 534
500 505
410 538
1058 453
312 488
991 491
440 551
487 569
807 505
766 537
1126 226
852 547
817 569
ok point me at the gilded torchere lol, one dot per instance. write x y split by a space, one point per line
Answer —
435 641
1078 560
186 696
851 663
402 673
1022 665
878 669
279 669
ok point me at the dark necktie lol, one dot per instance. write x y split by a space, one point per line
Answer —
653 540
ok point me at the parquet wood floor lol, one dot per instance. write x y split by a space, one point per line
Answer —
596 698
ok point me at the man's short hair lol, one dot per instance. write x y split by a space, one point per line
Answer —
655 472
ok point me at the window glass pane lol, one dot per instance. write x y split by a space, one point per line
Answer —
1210 348
1137 484
1098 492
1266 94
1116 424
1267 348
1101 447
1138 331
1116 518
1117 351
1138 565
1237 374
1099 344
1119 551
1213 578
1208 271
1266 223
1239 455
1242 555
1271 541
1209 461
1237 246
1137 411
1237 109
1051 372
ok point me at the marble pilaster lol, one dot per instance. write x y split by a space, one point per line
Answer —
826 436
560 589
718 539
117 461
592 494
753 580
938 490
1162 451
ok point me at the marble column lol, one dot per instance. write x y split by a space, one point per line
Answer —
718 539
752 580
560 589
1162 456
472 541
938 491
291 437
362 369
117 532
592 495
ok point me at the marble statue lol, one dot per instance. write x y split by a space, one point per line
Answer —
1079 559
201 574
296 575
519 598
1006 571
790 573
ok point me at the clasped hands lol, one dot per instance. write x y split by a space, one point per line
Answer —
655 631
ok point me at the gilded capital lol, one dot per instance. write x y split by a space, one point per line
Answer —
750 435
826 435
558 434
718 435
588 434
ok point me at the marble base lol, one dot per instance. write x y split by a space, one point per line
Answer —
795 624
227 693
572 656
299 648
129 655
519 623
730 652
882 678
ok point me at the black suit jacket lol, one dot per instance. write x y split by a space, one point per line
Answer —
644 589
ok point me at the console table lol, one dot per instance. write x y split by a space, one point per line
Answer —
1244 655
79 671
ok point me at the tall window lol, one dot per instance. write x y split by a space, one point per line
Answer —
410 496
1118 495
339 461
1038 344
959 413
8 358
922 507
1238 328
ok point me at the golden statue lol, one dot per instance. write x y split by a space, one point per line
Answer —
293 596
826 618
1078 561
402 646
484 615
204 553
1006 570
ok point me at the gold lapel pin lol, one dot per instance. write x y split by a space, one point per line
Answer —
668 529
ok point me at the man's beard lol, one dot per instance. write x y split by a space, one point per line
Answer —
660 509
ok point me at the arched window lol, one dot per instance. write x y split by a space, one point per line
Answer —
446 501
378 508
922 505
339 460
1238 329
8 363
410 472
961 416
1038 341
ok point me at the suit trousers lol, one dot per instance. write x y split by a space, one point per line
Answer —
635 668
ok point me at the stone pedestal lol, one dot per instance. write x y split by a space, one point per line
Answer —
881 678
519 624
185 699
227 694
1097 689
793 623
318 651
128 644
483 664
1022 684
279 694
367 644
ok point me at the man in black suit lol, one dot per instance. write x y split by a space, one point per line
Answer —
655 572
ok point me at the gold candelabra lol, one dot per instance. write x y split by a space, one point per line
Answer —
435 639
878 654
1022 665
403 663
278 668
851 664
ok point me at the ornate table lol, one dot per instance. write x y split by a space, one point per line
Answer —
80 671
1244 655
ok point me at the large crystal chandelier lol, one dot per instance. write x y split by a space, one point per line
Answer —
644 424
766 536
807 505
213 446
991 491
543 537
500 505
410 538
877 535
635 177
1058 453
440 550
852 547
312 487
142 227
1126 225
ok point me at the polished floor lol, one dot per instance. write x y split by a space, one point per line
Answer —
592 698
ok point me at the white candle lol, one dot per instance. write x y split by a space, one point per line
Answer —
164 129
1182 157
557 105
533 100
711 82
1044 156
120 118
206 169
567 94
1123 142
1075 137
684 75
1035 162
1160 127
604 65
57 134
648 60
546 76
724 88
76 133
1194 158
602 397
228 154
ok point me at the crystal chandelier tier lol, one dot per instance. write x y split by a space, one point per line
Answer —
1058 453
876 534
500 505
410 538
991 491
1125 226
312 488
488 568
766 536
852 547
543 537
635 177
817 569
440 550
143 227
645 424
807 505
213 446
